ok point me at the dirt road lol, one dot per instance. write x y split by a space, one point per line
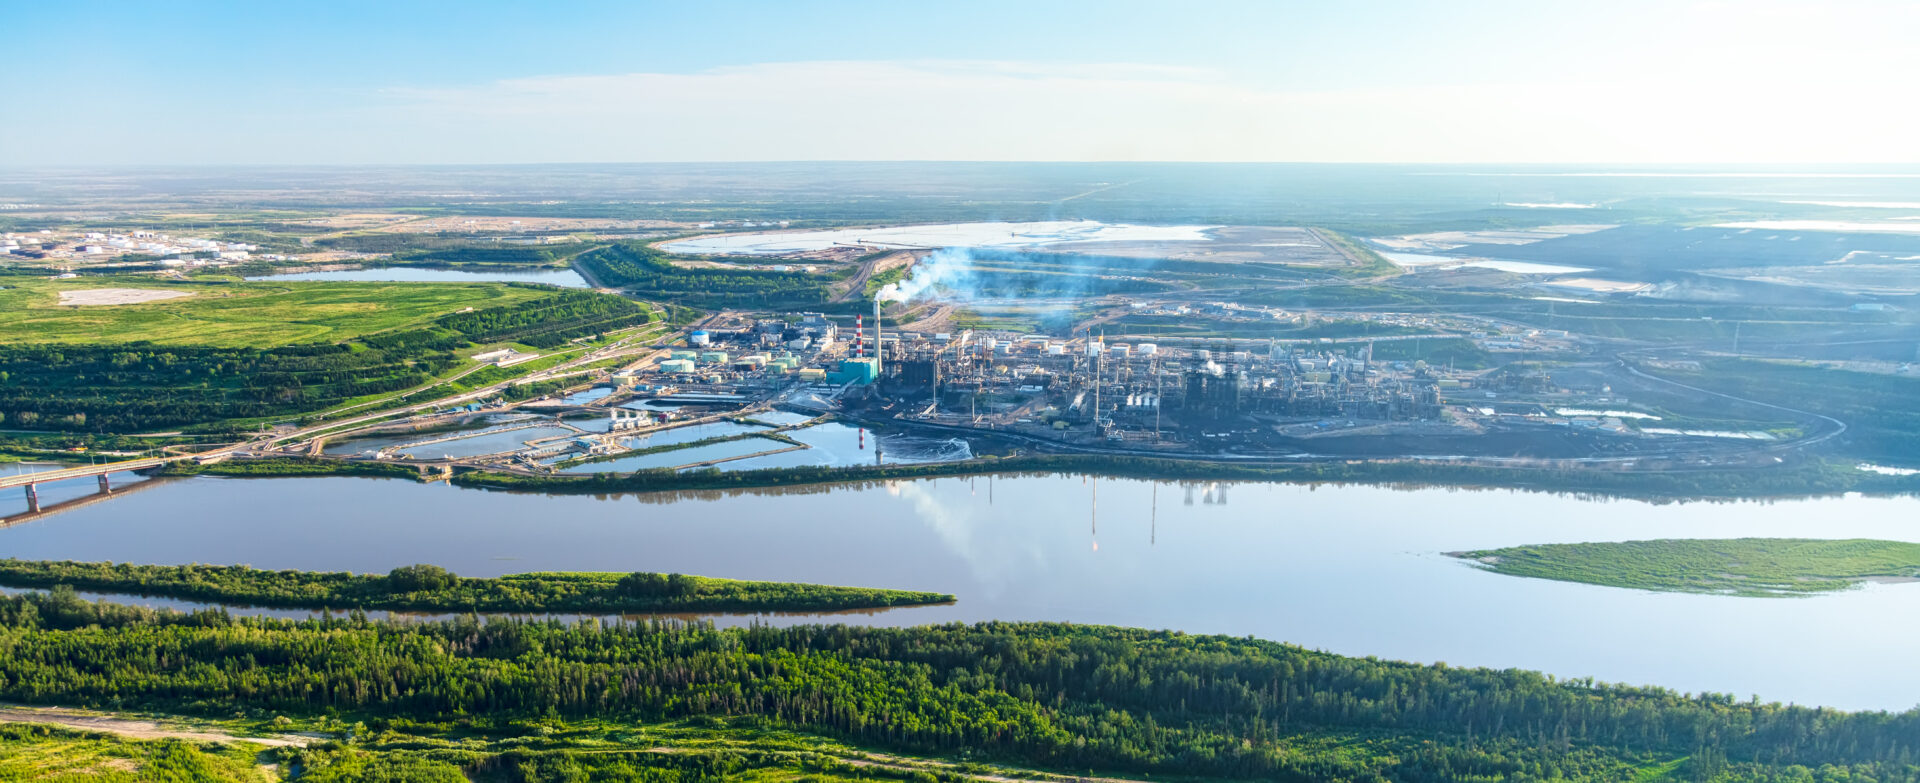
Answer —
134 728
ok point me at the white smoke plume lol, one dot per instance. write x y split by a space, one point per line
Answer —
948 269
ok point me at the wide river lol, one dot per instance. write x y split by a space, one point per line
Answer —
1352 570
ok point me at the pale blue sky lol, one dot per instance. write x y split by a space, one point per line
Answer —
483 82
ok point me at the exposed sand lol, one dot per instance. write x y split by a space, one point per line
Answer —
90 297
1599 286
135 728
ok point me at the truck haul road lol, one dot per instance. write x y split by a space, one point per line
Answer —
617 350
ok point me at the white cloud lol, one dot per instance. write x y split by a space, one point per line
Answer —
970 110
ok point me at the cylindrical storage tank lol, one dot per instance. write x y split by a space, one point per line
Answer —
1056 349
676 366
1202 354
700 338
1122 351
1148 349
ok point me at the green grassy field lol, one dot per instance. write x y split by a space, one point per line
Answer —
41 752
1738 566
236 314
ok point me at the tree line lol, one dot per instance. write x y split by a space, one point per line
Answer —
1050 695
645 271
430 588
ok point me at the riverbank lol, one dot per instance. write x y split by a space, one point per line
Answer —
424 588
291 467
1809 479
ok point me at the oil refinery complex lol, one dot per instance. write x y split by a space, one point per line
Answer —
742 392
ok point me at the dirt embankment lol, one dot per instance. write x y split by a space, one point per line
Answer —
135 728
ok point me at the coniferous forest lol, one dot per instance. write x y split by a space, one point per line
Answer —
1115 700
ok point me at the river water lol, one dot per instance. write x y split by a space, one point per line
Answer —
1348 569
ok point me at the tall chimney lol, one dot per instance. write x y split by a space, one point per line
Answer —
876 339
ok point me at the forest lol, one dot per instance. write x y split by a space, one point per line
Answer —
1081 698
645 271
132 387
430 588
548 322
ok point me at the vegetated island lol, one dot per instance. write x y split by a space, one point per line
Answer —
1727 566
427 588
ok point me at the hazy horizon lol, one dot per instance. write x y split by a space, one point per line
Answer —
1701 83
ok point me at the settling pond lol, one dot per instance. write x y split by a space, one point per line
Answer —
1352 570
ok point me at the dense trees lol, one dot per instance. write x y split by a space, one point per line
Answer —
548 322
131 387
1052 695
432 588
643 270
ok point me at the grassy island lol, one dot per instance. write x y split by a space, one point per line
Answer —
427 588
1736 566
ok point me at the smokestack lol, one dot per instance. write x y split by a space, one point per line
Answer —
876 339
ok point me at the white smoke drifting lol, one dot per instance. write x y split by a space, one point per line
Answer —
948 269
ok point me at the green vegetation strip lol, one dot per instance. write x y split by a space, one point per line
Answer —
42 752
429 588
1735 566
292 467
1795 481
504 699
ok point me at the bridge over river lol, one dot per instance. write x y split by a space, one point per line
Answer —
30 480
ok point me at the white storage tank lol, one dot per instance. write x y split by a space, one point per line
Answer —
1056 349
1149 349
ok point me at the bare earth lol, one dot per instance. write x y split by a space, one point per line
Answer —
128 727
88 297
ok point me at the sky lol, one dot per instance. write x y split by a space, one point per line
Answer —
478 82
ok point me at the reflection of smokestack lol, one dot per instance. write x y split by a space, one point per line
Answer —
876 339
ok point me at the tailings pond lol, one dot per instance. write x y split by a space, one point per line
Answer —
1353 570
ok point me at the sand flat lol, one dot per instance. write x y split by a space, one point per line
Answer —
92 297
